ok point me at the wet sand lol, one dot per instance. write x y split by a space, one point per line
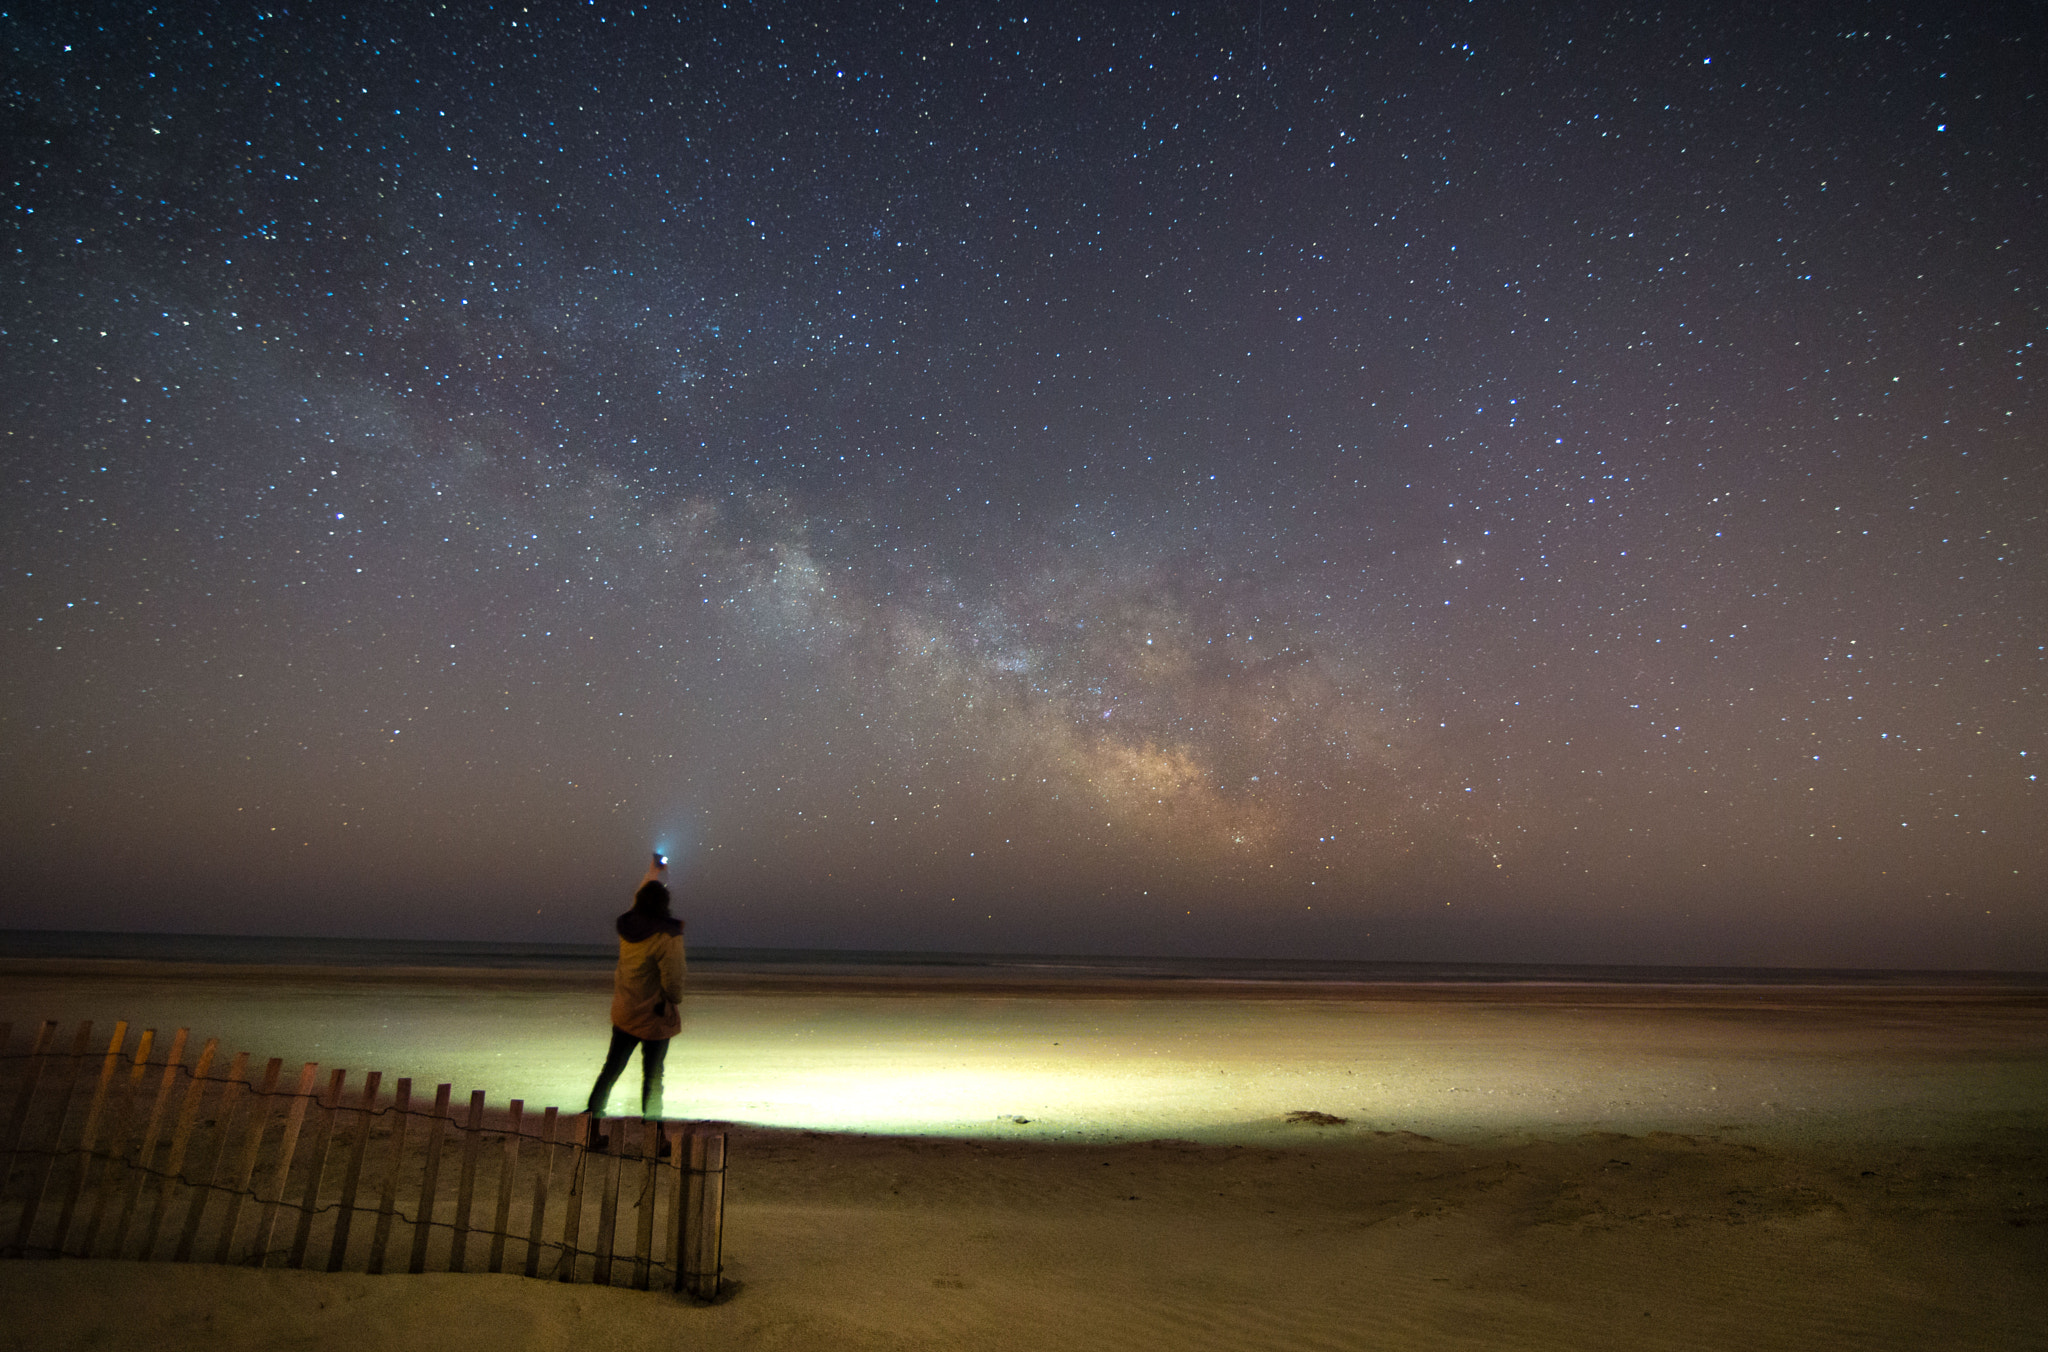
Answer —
964 1165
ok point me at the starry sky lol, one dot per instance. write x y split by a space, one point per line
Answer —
1457 482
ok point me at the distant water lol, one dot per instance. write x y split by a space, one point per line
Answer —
253 950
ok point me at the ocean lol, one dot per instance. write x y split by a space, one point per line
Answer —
280 951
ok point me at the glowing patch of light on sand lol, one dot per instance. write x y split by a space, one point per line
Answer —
931 1101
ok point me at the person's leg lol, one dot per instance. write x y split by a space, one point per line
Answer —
652 1057
614 1062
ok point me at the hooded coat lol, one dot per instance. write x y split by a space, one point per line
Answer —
647 985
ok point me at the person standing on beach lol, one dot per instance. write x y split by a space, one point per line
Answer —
647 990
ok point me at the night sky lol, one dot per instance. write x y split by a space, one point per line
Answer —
1480 481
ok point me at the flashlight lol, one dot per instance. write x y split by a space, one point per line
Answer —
660 859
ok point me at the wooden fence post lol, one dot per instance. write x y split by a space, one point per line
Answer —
608 1204
401 1104
572 1219
180 1136
677 1186
506 1176
425 1229
643 1230
17 1120
80 1044
465 1188
111 1173
701 1219
88 1135
287 1145
259 1122
541 1173
337 1248
202 1192
323 1141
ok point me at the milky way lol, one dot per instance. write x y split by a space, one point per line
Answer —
1435 483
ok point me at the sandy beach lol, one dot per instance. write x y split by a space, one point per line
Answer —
933 1164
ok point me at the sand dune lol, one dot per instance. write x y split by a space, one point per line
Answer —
1762 1169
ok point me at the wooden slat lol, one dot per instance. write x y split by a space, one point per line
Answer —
180 1134
401 1106
712 1247
17 1119
465 1193
703 1217
424 1231
245 1168
113 1172
693 1202
643 1240
572 1217
345 1215
280 1177
608 1205
202 1193
541 1171
35 1196
676 1187
89 1135
507 1176
323 1141
145 1152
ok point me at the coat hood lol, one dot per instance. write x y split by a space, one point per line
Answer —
636 926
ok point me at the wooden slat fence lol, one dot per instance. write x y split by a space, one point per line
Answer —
123 1149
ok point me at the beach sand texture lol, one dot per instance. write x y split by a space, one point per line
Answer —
1520 1167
